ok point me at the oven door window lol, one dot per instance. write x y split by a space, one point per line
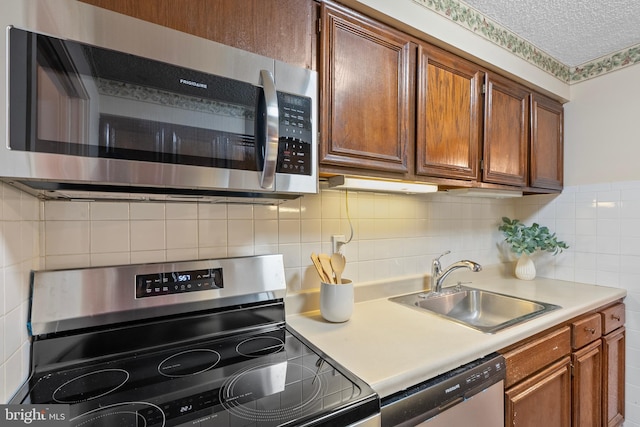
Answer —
75 99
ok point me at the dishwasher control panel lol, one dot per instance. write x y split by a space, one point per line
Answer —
486 372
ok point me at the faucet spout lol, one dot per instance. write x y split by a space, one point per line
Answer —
438 274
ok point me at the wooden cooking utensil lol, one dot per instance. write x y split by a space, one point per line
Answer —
326 266
318 266
338 262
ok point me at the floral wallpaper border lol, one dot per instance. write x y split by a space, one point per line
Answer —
473 20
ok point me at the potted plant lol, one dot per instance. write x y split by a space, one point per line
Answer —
526 240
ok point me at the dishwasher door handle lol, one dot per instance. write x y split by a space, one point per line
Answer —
448 405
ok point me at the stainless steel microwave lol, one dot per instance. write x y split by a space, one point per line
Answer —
154 114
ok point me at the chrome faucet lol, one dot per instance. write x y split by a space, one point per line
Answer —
438 274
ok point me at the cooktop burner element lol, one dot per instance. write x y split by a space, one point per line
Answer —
90 386
259 346
217 357
125 414
237 394
189 362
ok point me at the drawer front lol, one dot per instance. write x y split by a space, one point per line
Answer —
537 354
612 318
586 330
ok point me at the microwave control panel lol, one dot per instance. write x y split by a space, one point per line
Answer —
294 147
178 282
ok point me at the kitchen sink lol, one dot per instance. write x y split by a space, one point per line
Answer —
486 311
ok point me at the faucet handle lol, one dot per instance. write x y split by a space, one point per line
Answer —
436 269
441 255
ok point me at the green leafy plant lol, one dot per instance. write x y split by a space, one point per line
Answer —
528 240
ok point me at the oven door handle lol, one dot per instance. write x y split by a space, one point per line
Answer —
271 129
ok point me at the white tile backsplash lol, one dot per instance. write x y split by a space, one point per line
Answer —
20 246
109 236
393 235
107 211
182 233
147 235
146 211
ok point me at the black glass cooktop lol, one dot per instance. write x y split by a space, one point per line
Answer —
265 379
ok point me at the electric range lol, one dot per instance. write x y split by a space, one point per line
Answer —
194 343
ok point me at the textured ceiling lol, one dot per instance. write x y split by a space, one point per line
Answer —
571 31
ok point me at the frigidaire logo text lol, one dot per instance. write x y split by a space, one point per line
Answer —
192 83
33 415
453 388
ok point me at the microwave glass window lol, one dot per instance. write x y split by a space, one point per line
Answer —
61 116
88 101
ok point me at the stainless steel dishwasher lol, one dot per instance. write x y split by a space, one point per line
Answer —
471 395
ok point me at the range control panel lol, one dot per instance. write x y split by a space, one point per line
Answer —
178 282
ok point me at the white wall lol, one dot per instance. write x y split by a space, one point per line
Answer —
602 141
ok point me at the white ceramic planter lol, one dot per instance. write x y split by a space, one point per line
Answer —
525 268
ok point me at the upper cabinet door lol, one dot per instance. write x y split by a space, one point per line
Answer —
506 132
449 115
547 147
367 93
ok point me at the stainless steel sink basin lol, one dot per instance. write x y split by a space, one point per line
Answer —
485 311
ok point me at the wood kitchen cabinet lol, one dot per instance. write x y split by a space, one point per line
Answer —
543 399
569 375
587 385
613 365
395 106
367 94
506 132
280 29
539 376
587 371
449 115
547 146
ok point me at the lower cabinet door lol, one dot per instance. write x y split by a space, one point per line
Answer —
587 385
613 352
543 399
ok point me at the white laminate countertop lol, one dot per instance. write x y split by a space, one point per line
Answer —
391 346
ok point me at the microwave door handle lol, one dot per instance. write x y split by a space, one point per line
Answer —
271 131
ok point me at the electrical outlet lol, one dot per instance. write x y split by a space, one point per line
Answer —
338 243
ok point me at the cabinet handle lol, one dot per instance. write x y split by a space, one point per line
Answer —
614 317
592 330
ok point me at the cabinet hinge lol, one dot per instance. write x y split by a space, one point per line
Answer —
484 88
481 164
319 29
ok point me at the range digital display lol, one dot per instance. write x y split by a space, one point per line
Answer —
178 282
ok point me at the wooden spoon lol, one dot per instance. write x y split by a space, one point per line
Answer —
326 266
318 266
338 262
